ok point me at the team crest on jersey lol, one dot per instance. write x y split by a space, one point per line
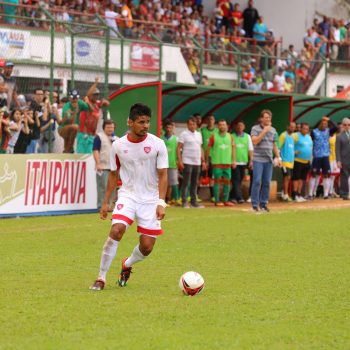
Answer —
147 149
120 206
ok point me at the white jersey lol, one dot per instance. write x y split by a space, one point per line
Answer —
137 163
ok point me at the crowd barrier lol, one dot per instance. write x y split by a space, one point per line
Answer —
47 184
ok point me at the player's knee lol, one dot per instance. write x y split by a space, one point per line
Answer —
117 232
146 249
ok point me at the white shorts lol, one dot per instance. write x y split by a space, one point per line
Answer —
127 210
334 167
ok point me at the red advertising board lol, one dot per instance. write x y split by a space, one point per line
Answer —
144 57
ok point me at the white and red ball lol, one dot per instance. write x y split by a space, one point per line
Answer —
191 283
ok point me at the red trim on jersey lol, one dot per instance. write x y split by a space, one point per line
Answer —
211 141
122 217
117 161
143 139
221 166
147 231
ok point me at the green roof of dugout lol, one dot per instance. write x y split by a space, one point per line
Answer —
179 101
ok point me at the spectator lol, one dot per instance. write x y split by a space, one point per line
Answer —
89 119
8 87
24 136
47 128
111 19
190 157
303 153
15 129
280 78
244 160
10 10
101 152
170 141
223 158
68 127
287 154
264 141
126 22
5 132
260 31
288 85
250 17
343 158
34 118
237 17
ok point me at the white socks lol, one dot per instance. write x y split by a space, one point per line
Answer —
108 253
313 185
326 186
135 257
331 188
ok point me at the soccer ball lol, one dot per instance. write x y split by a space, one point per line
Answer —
191 283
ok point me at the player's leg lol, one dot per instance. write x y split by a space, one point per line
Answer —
122 217
256 183
265 185
315 177
226 181
216 187
326 171
196 170
187 172
149 228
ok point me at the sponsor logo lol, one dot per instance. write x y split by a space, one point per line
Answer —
83 48
147 149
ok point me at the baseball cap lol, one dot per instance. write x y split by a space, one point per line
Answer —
9 64
74 93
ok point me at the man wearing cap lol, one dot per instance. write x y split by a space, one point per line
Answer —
68 127
8 87
88 120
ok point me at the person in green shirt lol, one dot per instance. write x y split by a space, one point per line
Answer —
68 127
223 158
170 140
207 132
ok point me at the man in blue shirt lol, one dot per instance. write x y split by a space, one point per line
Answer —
260 31
321 151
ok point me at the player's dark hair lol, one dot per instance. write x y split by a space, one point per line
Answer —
168 122
107 122
222 120
267 111
191 119
138 110
306 124
38 89
196 115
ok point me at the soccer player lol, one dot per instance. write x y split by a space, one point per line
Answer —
223 158
141 160
207 132
287 155
170 140
303 152
320 136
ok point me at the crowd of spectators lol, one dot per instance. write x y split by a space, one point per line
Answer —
43 122
229 26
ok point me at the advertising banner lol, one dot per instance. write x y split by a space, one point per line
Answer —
87 52
48 183
144 57
14 44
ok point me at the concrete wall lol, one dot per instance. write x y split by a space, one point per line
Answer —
290 18
335 80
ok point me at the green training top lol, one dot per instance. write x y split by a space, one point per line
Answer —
221 151
171 145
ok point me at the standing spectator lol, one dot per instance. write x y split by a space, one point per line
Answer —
237 17
207 132
250 17
244 158
303 152
24 136
260 31
88 120
170 141
325 26
126 22
34 119
223 158
333 163
47 128
8 87
111 19
264 141
101 152
320 136
15 128
5 132
10 10
70 115
343 158
287 154
190 157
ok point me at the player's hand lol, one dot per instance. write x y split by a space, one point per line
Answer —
267 128
104 211
160 212
181 166
234 165
204 166
339 165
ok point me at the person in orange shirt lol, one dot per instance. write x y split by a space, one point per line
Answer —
126 21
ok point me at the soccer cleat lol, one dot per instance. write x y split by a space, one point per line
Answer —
240 201
197 206
229 204
249 200
124 274
185 205
98 285
255 209
219 204
325 197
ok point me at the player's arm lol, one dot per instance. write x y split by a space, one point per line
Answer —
276 151
162 187
179 155
111 186
234 165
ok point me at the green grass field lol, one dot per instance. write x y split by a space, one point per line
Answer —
273 281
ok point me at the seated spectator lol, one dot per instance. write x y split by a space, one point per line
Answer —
280 78
288 85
